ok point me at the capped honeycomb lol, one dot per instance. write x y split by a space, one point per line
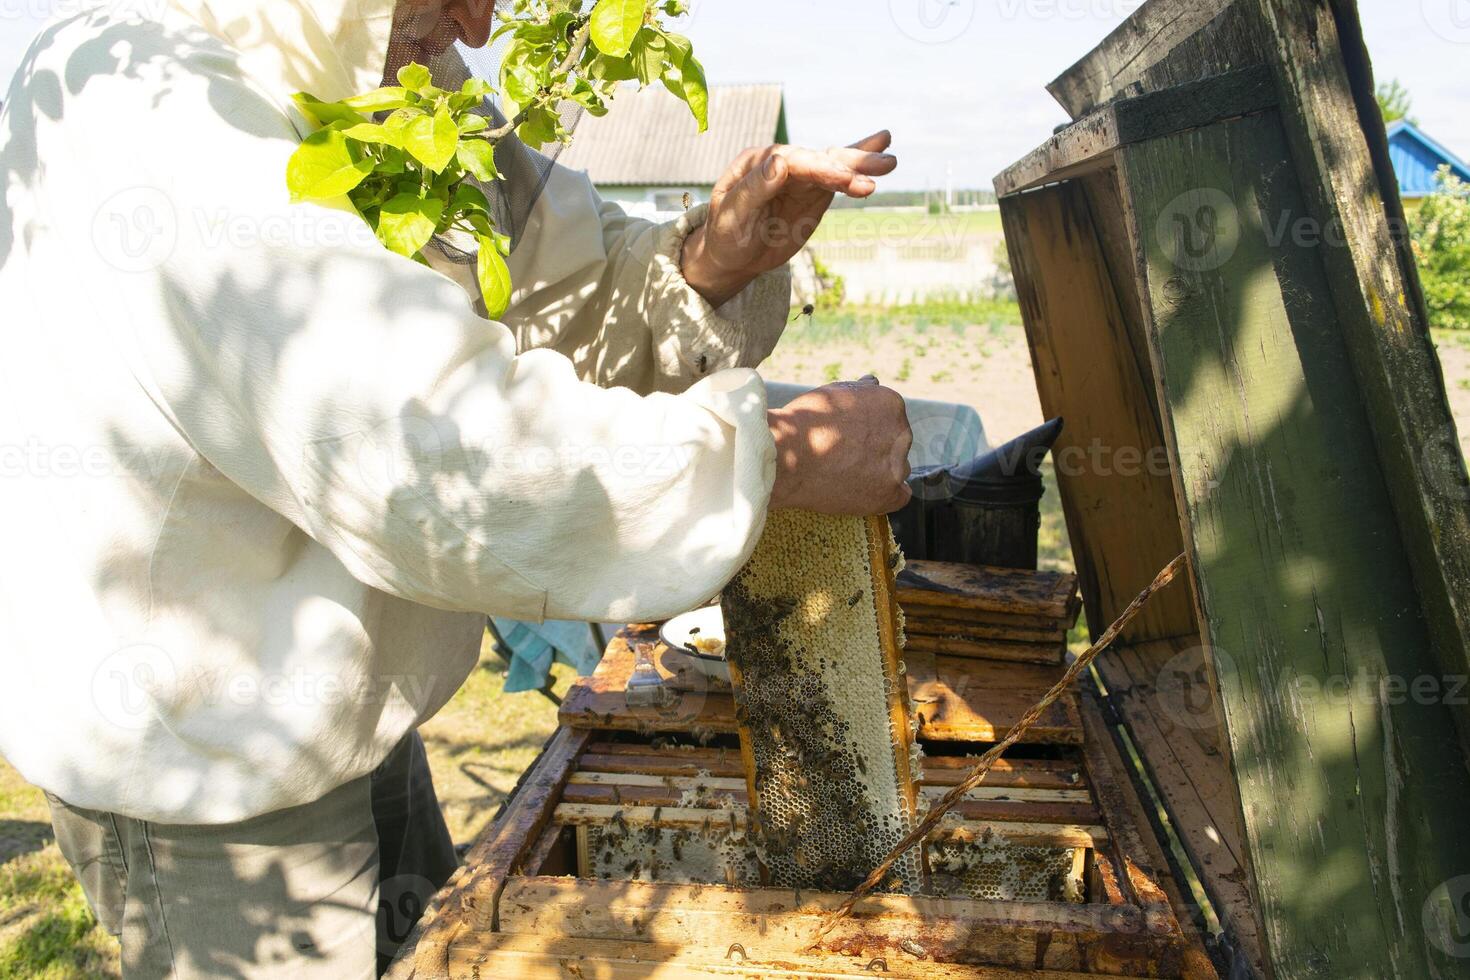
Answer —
999 871
814 649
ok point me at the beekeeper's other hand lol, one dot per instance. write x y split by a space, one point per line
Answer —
768 204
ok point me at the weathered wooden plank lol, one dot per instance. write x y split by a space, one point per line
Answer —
980 618
945 770
1302 570
968 700
1109 70
1135 852
467 901
978 805
1088 144
490 956
663 765
635 781
1110 461
780 923
960 699
938 770
958 645
961 587
1164 698
931 626
1338 141
718 820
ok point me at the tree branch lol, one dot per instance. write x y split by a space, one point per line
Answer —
579 46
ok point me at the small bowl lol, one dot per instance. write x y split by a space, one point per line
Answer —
706 622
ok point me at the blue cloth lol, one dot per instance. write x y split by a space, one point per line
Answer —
533 647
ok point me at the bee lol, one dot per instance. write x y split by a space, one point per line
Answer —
855 598
913 948
688 200
806 311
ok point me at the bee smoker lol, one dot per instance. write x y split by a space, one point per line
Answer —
984 512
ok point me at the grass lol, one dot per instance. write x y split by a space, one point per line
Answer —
1451 338
46 929
904 227
861 324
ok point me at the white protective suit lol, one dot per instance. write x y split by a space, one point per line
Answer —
263 478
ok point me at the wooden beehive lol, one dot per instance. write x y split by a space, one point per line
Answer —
1215 292
543 894
1272 406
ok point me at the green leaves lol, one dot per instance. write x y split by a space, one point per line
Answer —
478 157
407 222
432 139
414 77
325 165
493 274
380 100
685 78
401 153
615 23
320 113
542 126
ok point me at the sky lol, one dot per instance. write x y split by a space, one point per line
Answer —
961 83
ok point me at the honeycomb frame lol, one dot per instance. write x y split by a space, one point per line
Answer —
815 651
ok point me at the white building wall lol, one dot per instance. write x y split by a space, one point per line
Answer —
653 203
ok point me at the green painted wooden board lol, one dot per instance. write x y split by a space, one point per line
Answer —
1354 794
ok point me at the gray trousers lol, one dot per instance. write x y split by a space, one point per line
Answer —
327 890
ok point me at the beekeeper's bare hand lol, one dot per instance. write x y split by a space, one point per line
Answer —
766 206
842 449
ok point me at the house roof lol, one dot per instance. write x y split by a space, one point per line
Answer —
650 138
1417 157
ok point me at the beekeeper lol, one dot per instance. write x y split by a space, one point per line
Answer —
264 479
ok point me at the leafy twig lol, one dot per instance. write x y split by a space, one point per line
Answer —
406 174
573 58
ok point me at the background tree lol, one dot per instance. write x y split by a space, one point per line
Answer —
1441 234
1395 102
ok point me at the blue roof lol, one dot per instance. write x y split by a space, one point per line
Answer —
1417 157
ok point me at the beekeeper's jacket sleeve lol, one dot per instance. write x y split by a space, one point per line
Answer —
356 392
